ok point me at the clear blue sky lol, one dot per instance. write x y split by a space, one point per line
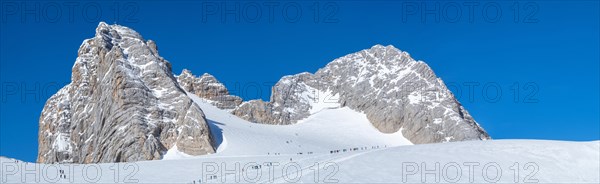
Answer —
551 50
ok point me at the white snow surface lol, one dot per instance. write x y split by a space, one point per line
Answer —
328 129
259 153
174 154
500 161
61 143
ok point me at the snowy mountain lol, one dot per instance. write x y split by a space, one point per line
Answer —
321 149
396 92
362 118
123 104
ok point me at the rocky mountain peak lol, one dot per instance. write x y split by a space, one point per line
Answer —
123 104
396 92
208 87
378 48
210 79
116 32
186 73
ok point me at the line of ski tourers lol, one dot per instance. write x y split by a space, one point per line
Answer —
213 177
354 149
335 151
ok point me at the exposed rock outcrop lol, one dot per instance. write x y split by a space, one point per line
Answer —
209 88
123 104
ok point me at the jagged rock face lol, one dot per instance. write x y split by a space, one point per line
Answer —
392 89
209 88
291 100
123 104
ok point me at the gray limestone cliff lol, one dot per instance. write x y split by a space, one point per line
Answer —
209 88
123 104
396 92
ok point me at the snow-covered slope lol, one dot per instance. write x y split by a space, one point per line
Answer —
500 161
331 128
250 153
